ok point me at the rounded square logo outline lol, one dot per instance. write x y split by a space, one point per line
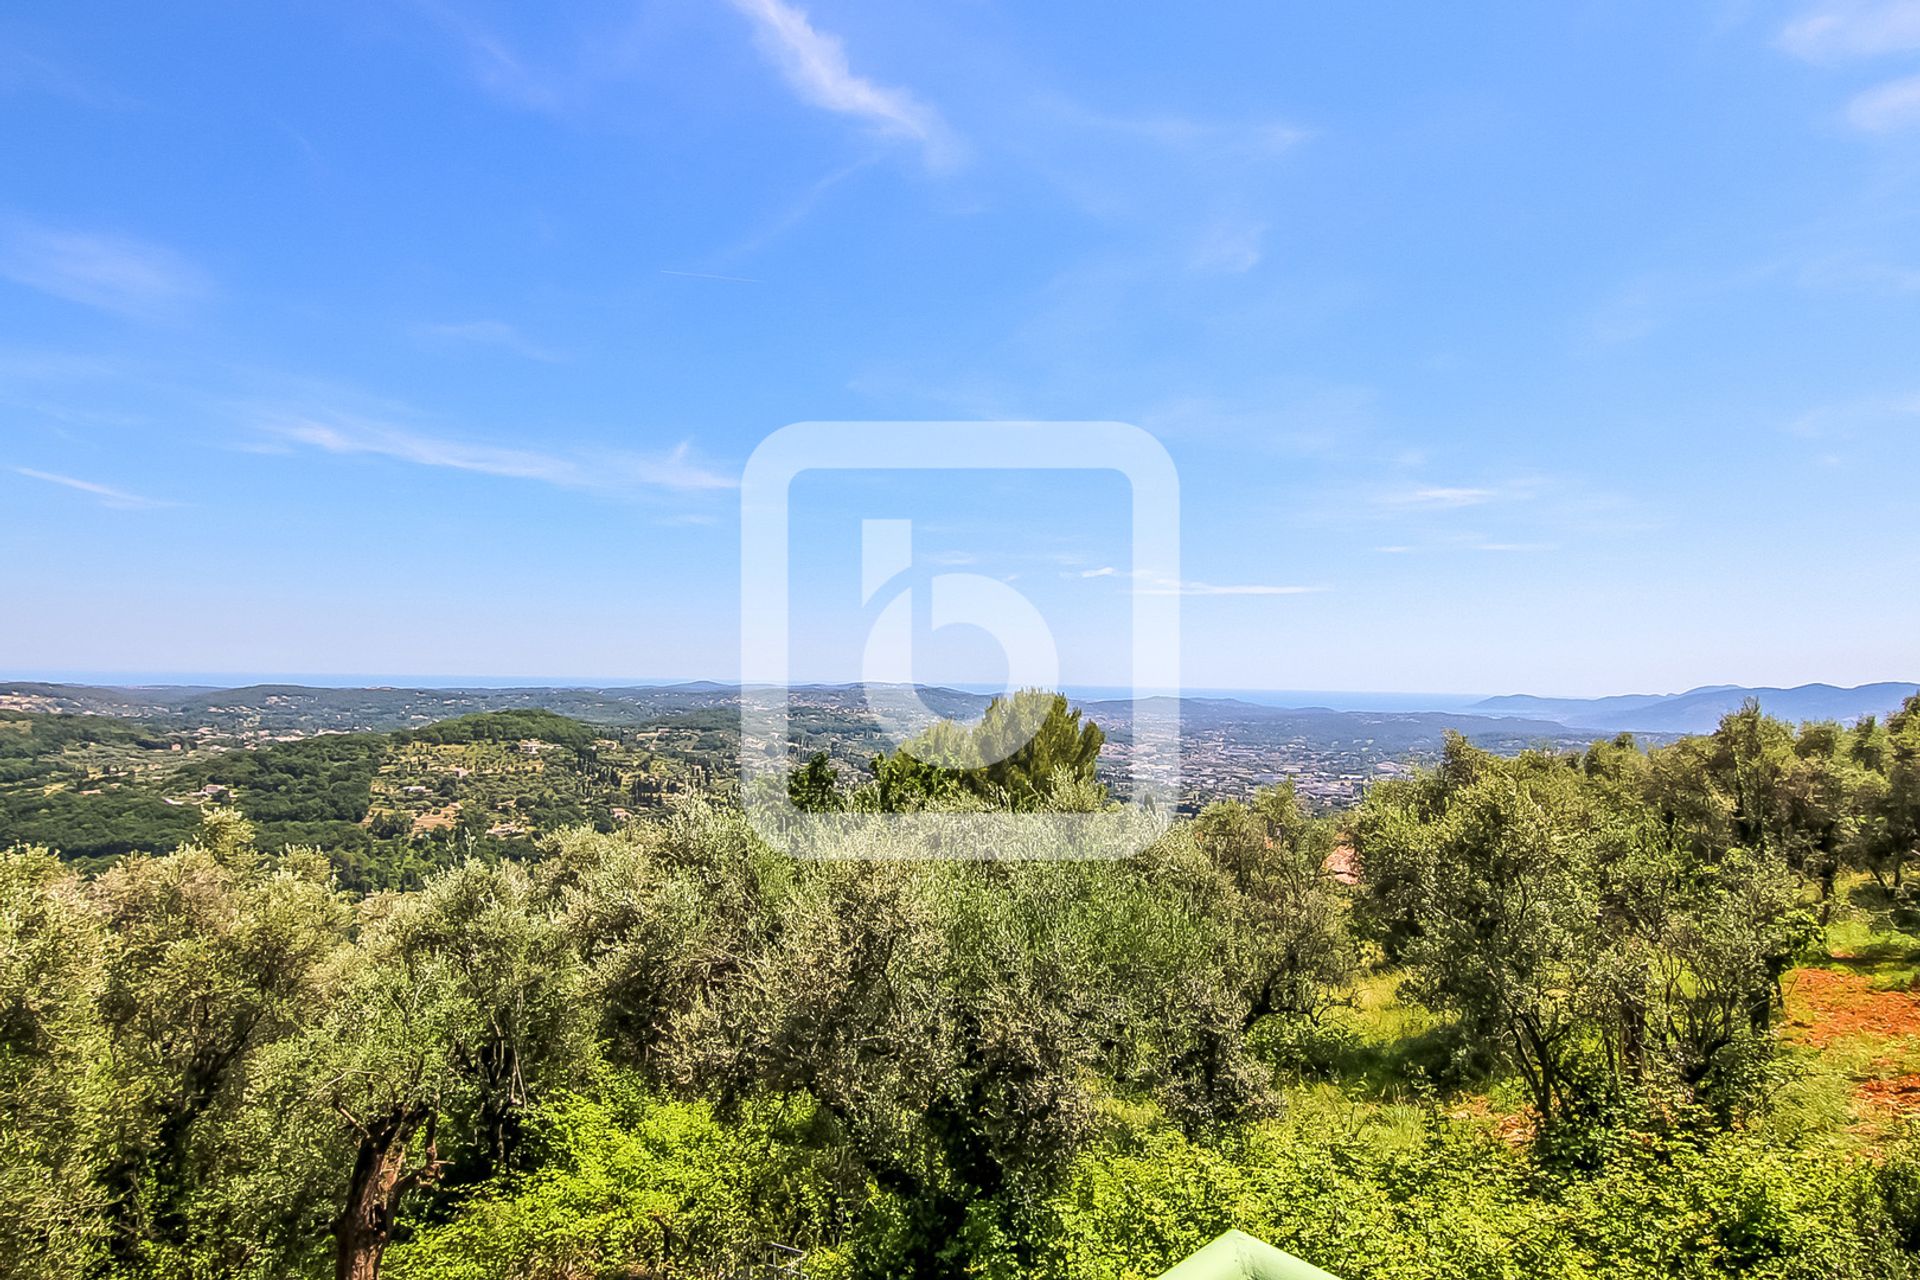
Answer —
1154 757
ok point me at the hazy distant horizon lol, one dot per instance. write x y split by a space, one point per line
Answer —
399 680
1332 699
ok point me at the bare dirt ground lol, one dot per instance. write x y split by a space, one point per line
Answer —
1828 1005
1834 1009
1343 864
437 819
1895 1093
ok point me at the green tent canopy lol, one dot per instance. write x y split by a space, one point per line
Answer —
1238 1256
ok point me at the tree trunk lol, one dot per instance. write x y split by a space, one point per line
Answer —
380 1178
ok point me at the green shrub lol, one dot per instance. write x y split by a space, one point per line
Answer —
630 1185
1369 1196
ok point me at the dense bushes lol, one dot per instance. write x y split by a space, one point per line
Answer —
509 726
630 1184
658 1053
625 1182
1412 1196
326 778
91 829
1618 958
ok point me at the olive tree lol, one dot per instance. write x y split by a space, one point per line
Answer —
457 1005
211 953
54 1096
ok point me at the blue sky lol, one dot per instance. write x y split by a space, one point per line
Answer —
1566 348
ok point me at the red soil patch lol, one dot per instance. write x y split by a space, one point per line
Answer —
1343 864
1897 1093
1826 1005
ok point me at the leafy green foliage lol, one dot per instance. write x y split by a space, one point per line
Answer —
31 743
1546 905
815 786
1026 750
52 1052
388 809
458 1006
659 1050
1423 1199
511 726
328 778
94 828
628 1182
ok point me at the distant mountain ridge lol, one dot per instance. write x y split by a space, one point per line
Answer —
265 710
304 708
1700 710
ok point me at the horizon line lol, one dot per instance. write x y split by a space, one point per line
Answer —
223 681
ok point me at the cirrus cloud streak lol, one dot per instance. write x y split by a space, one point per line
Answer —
606 470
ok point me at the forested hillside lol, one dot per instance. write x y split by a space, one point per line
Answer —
1699 710
1609 1012
384 807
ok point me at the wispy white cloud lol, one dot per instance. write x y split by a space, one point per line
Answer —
119 499
1847 273
1843 421
21 71
1310 420
488 333
1891 106
1858 429
1502 516
709 275
796 211
1464 542
1837 29
1439 497
1194 588
114 273
1230 245
1655 300
814 65
1194 185
609 471
1151 584
1221 138
500 69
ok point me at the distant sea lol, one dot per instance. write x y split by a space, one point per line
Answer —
325 680
1332 700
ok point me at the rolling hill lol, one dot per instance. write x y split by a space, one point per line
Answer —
1699 710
